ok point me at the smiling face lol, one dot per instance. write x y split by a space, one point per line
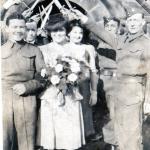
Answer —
31 31
76 34
135 23
112 26
16 29
59 36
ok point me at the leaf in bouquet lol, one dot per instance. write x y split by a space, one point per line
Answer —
66 68
69 89
62 84
48 81
81 76
64 74
49 71
69 71
64 90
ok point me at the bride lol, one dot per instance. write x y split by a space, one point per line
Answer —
61 127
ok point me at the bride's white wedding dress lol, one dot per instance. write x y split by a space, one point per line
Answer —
61 126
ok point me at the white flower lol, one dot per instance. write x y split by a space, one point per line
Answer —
75 67
72 77
65 59
43 73
55 79
58 68
74 61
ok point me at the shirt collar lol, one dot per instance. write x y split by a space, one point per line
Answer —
10 44
131 37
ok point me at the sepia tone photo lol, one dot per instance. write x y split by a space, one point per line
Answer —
75 74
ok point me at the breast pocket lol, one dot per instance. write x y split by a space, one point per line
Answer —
136 53
29 62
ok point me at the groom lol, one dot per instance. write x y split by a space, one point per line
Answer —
20 64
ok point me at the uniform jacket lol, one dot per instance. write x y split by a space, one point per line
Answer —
133 53
20 63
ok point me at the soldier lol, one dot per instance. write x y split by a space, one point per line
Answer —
107 63
32 34
132 69
21 62
107 59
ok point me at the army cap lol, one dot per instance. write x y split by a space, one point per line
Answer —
133 9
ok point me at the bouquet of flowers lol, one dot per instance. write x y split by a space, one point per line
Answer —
66 75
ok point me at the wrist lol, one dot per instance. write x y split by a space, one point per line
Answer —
84 19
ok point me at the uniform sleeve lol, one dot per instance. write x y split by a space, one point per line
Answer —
32 86
147 70
39 61
101 33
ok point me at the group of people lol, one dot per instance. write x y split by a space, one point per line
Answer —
32 113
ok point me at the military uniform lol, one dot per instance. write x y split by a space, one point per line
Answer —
20 63
132 66
107 64
130 83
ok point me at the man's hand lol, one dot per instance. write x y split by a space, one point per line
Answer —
80 16
68 14
93 98
42 33
146 108
19 89
9 3
27 13
36 18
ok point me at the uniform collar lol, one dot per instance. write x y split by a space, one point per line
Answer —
12 43
131 37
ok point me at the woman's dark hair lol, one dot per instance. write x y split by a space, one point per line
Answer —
56 23
77 23
106 20
14 16
74 23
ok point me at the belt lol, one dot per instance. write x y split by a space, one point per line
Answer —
130 78
108 72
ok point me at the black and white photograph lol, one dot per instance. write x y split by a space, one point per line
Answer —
75 75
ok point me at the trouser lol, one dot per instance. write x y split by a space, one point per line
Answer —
108 129
19 113
108 87
128 115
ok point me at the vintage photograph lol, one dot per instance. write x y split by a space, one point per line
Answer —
75 74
